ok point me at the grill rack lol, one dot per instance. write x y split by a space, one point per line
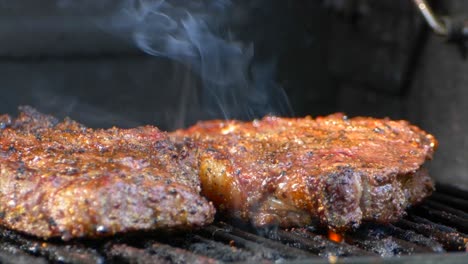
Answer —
435 231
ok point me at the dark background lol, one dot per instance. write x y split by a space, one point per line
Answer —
373 58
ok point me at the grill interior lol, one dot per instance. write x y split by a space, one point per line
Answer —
435 231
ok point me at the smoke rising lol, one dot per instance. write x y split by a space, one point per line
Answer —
65 106
198 35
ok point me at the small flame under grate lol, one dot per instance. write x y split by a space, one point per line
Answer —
436 232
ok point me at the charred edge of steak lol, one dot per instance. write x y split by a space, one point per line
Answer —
342 199
350 197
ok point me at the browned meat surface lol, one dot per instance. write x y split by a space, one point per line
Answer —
61 179
290 171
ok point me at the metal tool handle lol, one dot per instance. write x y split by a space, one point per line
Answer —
452 28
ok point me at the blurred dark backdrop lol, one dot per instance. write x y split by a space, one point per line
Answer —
374 58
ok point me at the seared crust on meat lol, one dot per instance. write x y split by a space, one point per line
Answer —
61 179
289 171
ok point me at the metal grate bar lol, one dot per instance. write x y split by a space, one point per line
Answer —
413 237
446 208
440 227
65 253
388 246
455 202
70 254
219 234
450 240
121 253
10 253
220 251
270 249
177 255
452 191
376 238
319 245
449 216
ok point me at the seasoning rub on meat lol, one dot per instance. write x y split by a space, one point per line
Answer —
292 171
61 179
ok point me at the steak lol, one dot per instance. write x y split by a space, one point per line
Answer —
333 170
61 179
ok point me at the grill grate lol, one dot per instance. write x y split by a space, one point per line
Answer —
433 231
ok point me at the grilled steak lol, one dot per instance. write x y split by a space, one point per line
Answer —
61 179
291 172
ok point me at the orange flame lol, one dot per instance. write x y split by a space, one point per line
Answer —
335 236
